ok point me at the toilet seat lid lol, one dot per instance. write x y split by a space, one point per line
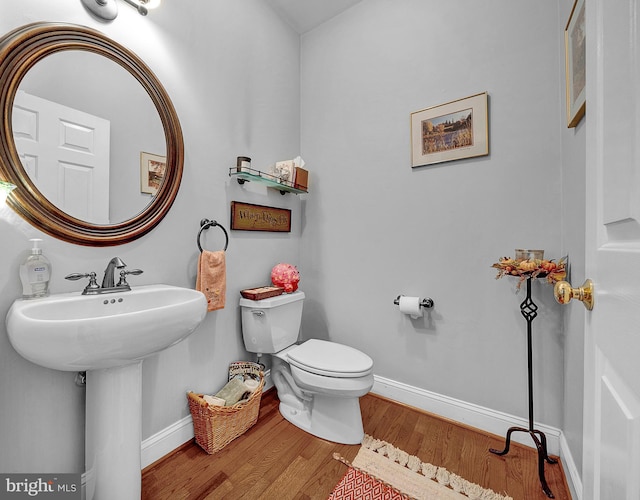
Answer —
330 359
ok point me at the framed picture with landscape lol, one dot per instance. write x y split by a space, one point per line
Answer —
152 170
451 131
575 60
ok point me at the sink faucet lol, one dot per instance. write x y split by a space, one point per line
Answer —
109 281
109 273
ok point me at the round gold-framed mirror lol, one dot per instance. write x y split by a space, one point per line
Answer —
23 48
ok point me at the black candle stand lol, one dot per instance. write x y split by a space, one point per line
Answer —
528 309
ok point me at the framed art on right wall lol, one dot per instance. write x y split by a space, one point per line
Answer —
575 60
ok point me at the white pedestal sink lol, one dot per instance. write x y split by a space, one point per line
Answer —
107 336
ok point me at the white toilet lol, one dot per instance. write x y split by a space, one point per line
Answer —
319 383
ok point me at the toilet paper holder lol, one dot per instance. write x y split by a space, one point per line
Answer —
427 303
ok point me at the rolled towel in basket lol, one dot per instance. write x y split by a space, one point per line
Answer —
213 401
232 392
251 384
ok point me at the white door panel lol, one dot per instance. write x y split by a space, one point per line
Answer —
612 335
66 154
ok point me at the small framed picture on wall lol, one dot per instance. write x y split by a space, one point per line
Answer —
575 60
451 131
152 170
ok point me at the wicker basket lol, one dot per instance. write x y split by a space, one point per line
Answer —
216 426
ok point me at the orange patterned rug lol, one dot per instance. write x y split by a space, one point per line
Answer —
381 471
358 485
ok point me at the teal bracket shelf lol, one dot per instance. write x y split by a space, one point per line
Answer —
249 174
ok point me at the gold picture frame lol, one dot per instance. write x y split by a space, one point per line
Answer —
451 131
575 61
152 172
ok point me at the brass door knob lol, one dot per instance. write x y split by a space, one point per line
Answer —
563 293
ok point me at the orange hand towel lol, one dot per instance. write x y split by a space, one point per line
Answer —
212 278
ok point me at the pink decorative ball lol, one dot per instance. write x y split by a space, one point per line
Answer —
285 276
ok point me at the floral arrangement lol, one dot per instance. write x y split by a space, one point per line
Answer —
531 268
285 276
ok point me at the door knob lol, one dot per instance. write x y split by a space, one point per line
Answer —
563 293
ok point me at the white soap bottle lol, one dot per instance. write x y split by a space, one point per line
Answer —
35 273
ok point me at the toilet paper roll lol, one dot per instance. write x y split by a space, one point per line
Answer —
411 306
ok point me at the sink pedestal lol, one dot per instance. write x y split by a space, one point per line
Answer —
107 336
113 433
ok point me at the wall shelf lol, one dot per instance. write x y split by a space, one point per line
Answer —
250 174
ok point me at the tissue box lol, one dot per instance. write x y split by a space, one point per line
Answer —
300 178
284 171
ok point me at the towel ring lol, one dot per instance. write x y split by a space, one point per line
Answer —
206 224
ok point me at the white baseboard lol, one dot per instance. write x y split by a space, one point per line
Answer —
574 480
486 419
482 418
167 440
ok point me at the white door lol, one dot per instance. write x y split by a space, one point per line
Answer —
66 154
611 461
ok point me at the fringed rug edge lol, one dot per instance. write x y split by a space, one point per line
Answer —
440 475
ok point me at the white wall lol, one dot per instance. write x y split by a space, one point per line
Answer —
573 234
231 69
375 228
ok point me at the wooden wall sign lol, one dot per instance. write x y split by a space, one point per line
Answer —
249 217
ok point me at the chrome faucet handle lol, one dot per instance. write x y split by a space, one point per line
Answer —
93 285
124 273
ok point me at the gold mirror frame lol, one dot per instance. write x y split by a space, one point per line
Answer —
20 50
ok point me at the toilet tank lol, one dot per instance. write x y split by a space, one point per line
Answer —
270 325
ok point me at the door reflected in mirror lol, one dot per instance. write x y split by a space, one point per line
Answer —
83 128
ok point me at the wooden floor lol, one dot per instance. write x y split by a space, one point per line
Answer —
276 460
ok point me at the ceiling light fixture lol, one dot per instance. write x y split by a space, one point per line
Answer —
108 9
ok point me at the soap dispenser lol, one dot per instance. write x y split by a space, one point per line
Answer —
35 273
